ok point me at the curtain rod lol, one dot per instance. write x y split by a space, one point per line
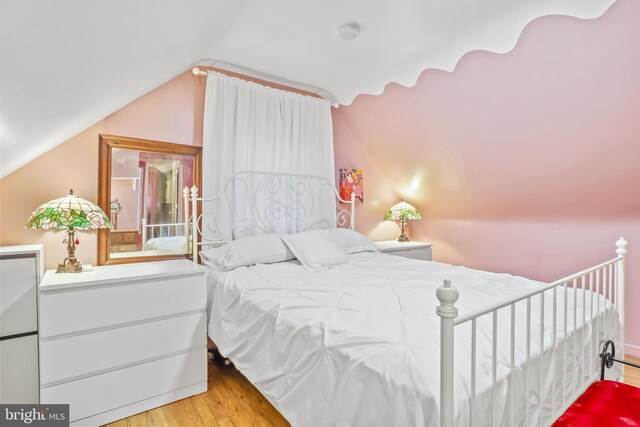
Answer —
199 72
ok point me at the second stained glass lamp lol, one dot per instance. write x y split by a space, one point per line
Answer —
402 212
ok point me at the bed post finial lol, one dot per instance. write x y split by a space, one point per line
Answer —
194 223
621 251
143 224
621 247
447 295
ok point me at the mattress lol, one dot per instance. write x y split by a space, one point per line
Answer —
173 244
358 344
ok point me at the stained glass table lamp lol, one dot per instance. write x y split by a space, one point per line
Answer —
402 212
69 213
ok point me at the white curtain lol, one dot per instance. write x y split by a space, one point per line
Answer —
250 127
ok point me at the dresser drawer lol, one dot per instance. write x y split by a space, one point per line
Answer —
123 237
18 307
124 248
101 393
128 238
70 310
19 370
66 358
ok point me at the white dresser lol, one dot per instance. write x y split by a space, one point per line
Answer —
20 272
415 250
122 339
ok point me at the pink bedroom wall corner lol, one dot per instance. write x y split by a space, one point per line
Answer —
527 161
379 195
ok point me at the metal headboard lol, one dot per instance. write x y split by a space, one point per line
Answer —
267 198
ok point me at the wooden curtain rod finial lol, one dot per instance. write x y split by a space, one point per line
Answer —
198 72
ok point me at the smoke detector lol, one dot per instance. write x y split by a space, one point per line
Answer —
350 31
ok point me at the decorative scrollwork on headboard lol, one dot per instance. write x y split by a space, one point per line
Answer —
254 202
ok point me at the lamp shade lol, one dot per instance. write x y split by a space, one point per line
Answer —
69 212
402 211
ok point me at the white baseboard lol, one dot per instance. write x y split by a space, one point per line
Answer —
633 350
142 406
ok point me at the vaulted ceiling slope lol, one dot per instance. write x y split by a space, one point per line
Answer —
66 64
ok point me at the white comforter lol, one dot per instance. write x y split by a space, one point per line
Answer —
359 344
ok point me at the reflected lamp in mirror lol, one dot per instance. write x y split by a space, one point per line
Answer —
115 208
402 212
69 213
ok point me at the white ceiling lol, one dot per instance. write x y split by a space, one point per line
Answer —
67 64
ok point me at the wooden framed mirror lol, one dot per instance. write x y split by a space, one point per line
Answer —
140 186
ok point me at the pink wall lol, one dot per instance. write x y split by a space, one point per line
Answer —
127 195
172 112
526 162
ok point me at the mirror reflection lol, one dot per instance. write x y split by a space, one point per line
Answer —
147 207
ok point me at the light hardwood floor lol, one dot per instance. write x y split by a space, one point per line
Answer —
233 401
632 375
230 401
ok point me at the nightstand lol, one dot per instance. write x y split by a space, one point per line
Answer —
415 250
122 339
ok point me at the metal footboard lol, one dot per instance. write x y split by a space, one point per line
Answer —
604 282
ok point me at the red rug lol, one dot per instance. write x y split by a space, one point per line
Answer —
605 403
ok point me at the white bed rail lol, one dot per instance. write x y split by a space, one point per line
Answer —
288 203
149 231
609 274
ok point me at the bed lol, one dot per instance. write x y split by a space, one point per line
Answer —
165 238
384 340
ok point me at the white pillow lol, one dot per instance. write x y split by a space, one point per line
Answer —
350 241
314 250
265 249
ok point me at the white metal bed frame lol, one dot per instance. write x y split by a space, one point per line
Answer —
150 231
609 274
208 229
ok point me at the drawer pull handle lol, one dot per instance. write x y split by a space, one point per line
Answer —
20 335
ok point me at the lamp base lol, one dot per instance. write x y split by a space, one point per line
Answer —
70 263
403 236
69 266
